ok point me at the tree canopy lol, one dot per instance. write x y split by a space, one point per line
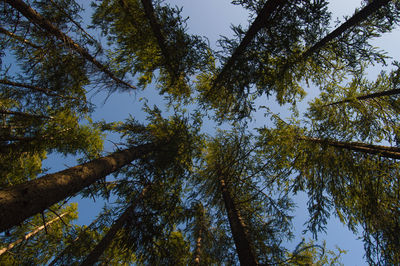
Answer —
175 191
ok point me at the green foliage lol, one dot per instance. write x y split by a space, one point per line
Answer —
40 248
137 50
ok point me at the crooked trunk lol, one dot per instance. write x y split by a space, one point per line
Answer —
24 200
45 24
31 234
238 228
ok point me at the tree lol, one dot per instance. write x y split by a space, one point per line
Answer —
211 198
36 18
150 37
360 187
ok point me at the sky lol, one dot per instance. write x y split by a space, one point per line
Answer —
212 18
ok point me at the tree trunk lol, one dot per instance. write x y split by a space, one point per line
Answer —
37 19
238 229
62 253
47 92
105 242
156 28
353 21
369 96
24 200
31 234
197 251
18 38
384 151
262 20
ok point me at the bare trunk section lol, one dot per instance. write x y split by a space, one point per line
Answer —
238 229
18 38
37 19
47 92
351 22
31 234
105 242
262 20
24 200
384 151
369 96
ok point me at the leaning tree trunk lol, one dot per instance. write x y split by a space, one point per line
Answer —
162 43
238 228
65 250
105 242
384 151
45 24
24 200
31 234
261 21
369 96
356 19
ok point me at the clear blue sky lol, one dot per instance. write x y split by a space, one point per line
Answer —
212 18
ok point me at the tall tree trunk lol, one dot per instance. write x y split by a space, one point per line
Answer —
47 92
356 19
369 96
62 253
37 19
24 200
262 20
238 228
156 28
105 242
18 38
31 234
384 151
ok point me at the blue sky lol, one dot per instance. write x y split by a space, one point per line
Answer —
212 18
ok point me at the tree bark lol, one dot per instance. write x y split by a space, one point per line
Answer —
24 200
105 242
31 234
238 228
262 20
37 19
156 28
18 38
384 151
369 96
353 21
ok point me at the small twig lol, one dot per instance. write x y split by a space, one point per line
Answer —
58 217
44 223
